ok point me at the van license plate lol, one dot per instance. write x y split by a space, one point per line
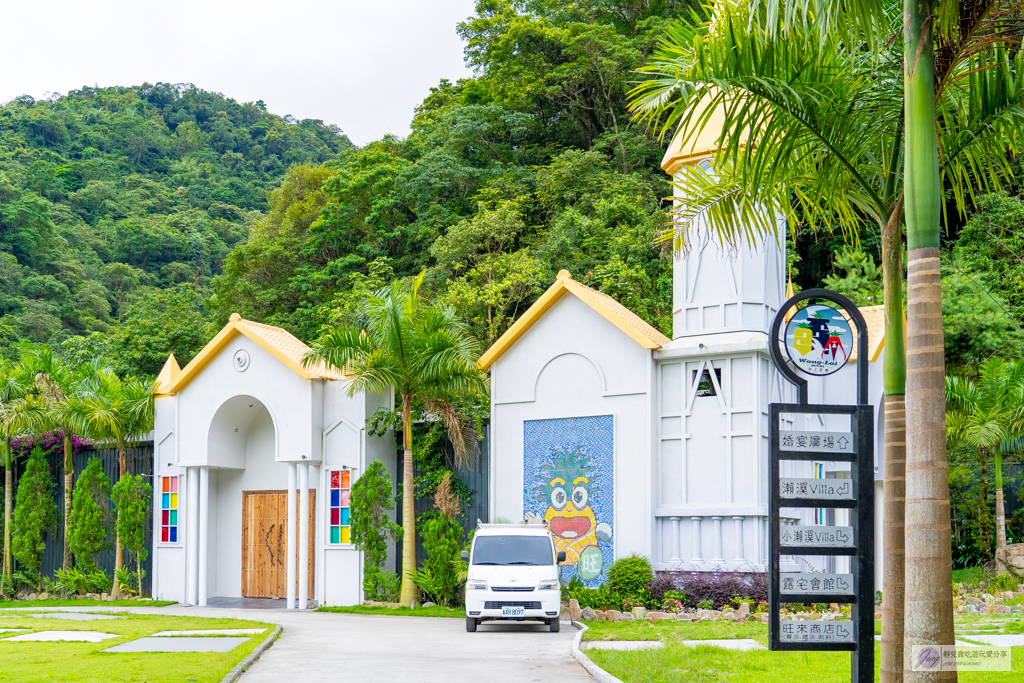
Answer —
513 611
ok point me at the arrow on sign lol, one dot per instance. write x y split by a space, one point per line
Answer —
842 537
842 443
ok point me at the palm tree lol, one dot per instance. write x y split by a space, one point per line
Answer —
118 410
13 422
54 384
814 131
428 356
987 416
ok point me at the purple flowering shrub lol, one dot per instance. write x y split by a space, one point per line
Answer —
49 442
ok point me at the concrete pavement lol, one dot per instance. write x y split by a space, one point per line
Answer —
323 646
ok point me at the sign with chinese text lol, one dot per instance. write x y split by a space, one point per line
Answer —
817 536
817 489
825 442
817 584
816 632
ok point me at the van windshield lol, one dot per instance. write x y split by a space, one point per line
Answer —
513 550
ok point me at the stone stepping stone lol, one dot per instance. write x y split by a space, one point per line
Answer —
211 632
741 644
78 636
178 644
1002 640
623 645
73 616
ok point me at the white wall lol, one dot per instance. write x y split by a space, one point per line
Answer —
574 363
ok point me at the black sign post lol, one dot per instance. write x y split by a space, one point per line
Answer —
856 494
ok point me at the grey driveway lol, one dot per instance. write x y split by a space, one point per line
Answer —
320 646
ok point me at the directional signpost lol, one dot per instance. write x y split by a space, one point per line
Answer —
818 340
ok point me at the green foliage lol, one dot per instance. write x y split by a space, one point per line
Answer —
35 513
132 495
630 576
441 574
371 501
975 322
862 279
76 581
129 581
601 597
705 604
90 512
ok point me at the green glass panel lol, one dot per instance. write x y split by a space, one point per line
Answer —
335 535
174 518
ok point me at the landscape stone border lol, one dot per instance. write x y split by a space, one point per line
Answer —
586 662
240 668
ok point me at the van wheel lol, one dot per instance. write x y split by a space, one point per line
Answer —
470 624
555 625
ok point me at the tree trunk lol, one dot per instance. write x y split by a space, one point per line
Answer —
122 465
409 591
69 480
8 507
1000 510
984 526
893 586
929 562
894 375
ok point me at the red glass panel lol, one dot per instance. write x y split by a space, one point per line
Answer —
335 478
164 534
166 517
335 515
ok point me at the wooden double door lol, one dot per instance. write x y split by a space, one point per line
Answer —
265 543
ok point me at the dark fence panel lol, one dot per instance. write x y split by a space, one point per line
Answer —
476 476
139 461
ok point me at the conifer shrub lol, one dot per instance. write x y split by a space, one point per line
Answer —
35 513
371 500
630 577
132 495
90 513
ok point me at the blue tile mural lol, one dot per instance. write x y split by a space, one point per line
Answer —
569 481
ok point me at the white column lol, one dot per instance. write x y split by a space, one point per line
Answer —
303 534
696 539
192 542
204 534
290 588
717 539
675 540
738 522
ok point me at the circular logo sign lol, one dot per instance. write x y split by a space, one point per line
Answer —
819 340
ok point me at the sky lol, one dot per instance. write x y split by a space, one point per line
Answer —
362 65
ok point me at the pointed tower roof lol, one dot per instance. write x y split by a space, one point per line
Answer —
614 312
167 375
276 341
690 146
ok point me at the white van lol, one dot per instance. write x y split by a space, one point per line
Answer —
513 575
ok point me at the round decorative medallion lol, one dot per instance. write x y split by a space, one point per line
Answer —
819 339
241 360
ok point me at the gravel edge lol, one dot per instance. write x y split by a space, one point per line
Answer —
586 662
240 668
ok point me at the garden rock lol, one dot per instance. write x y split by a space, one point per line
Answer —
833 606
639 612
429 604
1012 557
44 596
613 615
104 596
564 616
743 611
589 614
31 597
627 616
601 615
685 616
1017 609
709 615
1002 609
658 616
764 618
574 610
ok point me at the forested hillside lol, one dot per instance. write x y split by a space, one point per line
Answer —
133 221
117 206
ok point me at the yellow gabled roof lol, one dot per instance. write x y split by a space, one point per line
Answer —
874 316
279 343
699 146
167 375
614 312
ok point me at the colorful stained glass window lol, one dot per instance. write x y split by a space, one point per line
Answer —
340 482
169 509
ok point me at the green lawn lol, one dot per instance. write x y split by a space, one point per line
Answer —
435 611
84 662
677 662
10 604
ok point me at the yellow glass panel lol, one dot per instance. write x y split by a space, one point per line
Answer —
174 501
344 534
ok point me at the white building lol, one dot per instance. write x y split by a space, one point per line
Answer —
630 442
247 442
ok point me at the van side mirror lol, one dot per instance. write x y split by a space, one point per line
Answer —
561 556
464 556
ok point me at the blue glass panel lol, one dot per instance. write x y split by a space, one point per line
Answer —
344 516
166 500
174 534
335 498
